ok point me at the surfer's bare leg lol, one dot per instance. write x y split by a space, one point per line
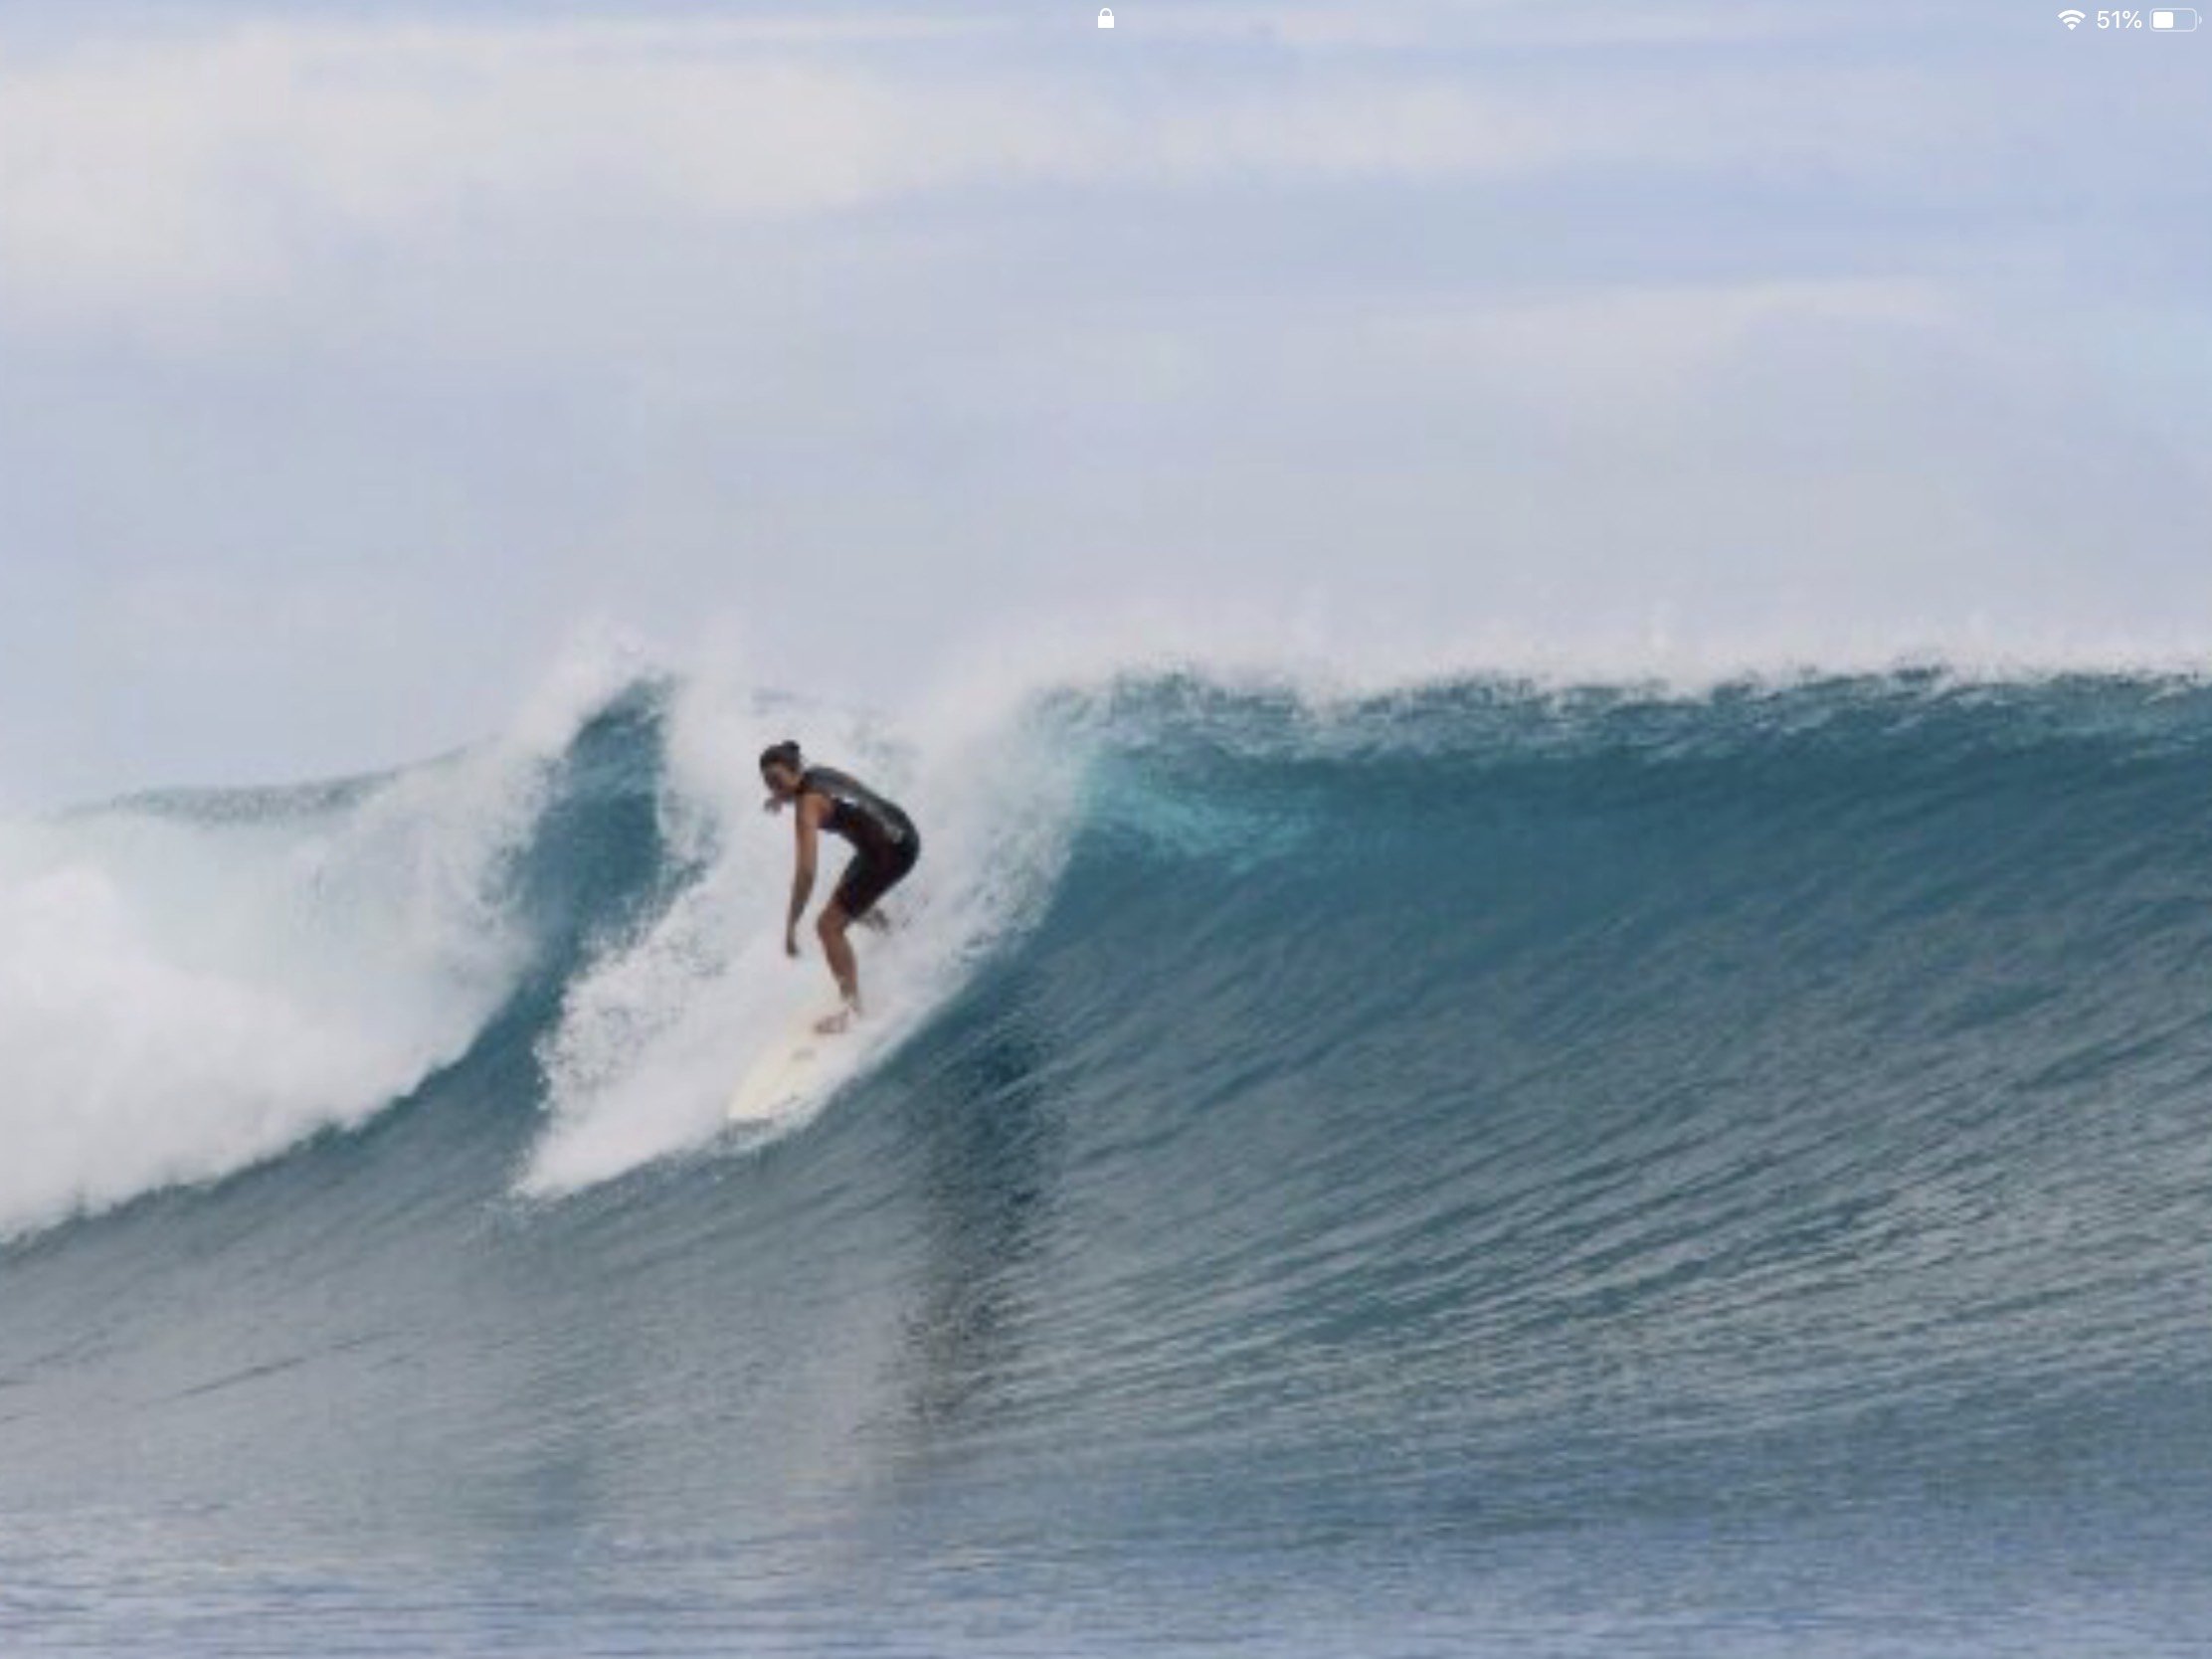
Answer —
836 949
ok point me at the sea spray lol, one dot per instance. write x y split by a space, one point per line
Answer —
655 1032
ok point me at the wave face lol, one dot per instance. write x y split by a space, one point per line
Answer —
1473 1169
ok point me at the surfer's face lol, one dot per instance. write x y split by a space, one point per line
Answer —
782 780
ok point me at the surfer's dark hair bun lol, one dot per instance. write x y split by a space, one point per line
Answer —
785 752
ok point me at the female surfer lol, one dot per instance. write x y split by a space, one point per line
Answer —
884 848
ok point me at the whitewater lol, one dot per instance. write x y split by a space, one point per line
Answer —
1479 1165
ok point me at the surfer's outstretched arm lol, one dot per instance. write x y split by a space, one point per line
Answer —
808 830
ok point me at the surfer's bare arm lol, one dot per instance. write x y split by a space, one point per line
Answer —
807 827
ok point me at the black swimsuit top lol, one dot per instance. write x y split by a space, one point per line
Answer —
873 824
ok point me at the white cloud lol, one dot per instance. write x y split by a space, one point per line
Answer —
173 170
322 346
1624 355
1441 24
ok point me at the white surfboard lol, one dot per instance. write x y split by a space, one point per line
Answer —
786 1072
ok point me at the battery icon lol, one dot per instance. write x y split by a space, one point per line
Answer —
2181 19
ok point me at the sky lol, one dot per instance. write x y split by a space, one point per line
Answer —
357 362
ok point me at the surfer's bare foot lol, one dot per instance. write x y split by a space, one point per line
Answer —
830 1024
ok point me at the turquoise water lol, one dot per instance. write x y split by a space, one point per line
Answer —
1470 1170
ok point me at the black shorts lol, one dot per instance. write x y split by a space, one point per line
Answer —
870 876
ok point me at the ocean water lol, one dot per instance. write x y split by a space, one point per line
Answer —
1479 1169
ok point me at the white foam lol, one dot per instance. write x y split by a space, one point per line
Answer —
189 988
653 1038
1329 652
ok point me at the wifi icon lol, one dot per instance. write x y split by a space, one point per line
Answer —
2072 18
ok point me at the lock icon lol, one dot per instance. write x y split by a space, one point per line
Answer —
1105 17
